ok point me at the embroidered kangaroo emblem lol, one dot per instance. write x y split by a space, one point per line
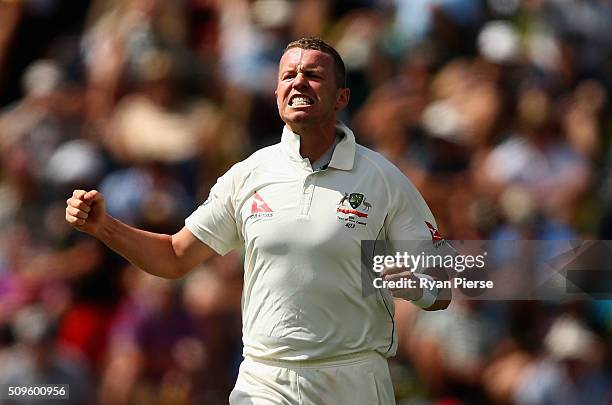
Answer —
367 205
344 198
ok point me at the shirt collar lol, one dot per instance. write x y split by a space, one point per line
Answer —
325 159
344 153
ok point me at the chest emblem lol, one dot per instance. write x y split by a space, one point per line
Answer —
259 205
355 199
353 209
259 208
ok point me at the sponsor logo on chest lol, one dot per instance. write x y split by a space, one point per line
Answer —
259 208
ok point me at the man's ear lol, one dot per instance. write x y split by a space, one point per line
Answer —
342 98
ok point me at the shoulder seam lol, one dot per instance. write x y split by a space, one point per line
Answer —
248 165
378 169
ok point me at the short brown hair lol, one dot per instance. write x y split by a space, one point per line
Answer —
317 44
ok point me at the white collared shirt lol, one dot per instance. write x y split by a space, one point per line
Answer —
301 231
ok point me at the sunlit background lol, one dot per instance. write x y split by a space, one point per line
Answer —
498 111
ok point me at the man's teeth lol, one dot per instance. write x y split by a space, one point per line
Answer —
300 101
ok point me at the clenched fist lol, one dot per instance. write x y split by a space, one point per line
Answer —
85 211
394 273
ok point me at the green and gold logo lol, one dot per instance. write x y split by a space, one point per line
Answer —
355 199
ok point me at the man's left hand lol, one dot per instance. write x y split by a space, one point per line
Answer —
394 273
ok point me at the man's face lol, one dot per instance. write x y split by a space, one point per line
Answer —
306 92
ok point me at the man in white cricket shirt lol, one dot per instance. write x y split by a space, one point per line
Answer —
300 209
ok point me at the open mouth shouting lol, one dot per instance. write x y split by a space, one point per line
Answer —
300 100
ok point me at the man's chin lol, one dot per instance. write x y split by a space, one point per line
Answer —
298 118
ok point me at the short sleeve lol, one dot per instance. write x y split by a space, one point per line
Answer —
214 222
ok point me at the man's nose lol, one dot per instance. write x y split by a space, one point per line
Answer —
300 80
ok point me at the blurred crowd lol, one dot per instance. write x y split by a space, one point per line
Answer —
497 110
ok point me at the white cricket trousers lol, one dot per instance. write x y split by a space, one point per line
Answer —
358 379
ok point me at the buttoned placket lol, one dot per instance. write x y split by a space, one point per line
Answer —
308 188
305 174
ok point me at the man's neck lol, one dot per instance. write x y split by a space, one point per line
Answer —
315 140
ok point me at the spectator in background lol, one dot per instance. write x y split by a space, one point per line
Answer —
39 359
10 14
537 160
569 371
143 356
450 350
29 27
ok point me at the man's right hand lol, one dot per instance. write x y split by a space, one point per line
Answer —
86 211
168 256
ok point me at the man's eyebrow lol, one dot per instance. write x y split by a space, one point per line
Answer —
309 68
312 67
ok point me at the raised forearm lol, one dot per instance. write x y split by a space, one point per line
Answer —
158 254
151 252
